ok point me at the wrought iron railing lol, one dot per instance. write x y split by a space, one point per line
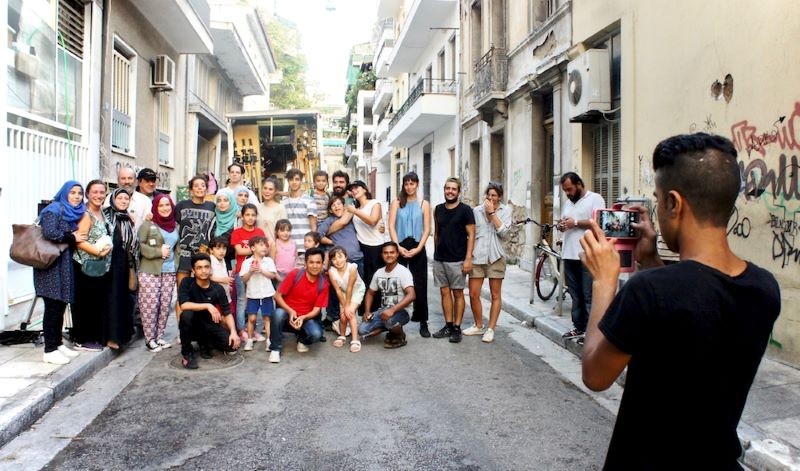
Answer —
424 87
491 73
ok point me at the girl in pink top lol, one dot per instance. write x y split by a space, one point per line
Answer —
285 248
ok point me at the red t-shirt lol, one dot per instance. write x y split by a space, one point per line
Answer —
303 297
242 236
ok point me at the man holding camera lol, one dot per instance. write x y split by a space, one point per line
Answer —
692 334
575 219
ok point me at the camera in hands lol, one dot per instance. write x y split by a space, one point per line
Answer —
617 223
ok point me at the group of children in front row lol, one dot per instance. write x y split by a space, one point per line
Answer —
260 267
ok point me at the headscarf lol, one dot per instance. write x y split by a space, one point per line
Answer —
225 219
119 218
62 207
167 223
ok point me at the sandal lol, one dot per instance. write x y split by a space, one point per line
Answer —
339 342
355 346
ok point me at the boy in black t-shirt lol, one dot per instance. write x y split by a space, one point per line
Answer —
453 241
692 334
205 308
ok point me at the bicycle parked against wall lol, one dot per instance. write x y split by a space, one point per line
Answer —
548 260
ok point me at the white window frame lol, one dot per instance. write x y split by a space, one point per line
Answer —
120 46
169 161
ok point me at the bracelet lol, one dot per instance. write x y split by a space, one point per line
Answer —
489 214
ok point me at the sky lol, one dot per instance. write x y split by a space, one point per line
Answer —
328 29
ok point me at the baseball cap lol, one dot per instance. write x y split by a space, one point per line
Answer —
357 183
147 174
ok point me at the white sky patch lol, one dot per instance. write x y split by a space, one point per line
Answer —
328 30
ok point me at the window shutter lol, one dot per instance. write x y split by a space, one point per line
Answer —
606 161
71 25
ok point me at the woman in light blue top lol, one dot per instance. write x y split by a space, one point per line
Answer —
410 226
492 221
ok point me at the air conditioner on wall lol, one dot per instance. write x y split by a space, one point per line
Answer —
589 85
162 75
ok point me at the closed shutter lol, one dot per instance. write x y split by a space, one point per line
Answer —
606 161
70 26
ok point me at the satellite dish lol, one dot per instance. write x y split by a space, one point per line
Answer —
575 87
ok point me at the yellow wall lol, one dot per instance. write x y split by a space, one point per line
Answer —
672 52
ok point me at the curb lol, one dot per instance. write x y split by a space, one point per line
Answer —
28 405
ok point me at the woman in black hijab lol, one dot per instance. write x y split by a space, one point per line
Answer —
119 321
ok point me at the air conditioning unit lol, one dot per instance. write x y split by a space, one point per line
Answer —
589 85
163 73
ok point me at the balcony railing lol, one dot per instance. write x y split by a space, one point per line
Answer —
491 74
380 27
424 87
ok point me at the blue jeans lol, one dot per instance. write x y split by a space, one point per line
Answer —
579 284
399 318
333 310
241 302
310 332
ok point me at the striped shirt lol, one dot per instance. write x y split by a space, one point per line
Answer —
298 210
322 204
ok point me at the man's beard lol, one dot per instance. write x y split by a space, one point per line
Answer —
451 201
129 188
576 197
338 191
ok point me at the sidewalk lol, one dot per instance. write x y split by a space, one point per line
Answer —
770 425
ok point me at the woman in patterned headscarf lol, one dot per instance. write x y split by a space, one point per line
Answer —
119 316
56 283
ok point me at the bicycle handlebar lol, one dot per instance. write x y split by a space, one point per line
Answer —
529 220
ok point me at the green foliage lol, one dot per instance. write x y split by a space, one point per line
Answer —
291 92
365 81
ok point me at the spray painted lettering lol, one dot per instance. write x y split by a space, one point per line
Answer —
783 249
758 177
787 226
746 137
739 227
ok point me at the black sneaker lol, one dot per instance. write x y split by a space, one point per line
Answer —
441 333
581 339
205 353
189 362
455 335
572 334
423 330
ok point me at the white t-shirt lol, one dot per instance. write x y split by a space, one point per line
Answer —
218 269
366 234
580 211
392 284
259 286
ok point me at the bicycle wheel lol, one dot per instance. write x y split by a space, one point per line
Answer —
546 280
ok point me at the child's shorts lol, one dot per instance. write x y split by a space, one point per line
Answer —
265 306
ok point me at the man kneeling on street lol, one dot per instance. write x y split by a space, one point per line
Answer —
397 291
205 308
299 300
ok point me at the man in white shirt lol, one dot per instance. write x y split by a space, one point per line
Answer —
575 220
141 205
235 176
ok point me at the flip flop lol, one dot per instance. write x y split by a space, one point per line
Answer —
339 342
355 346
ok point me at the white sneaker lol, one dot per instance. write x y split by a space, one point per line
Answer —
153 346
473 330
488 337
269 344
275 357
55 357
67 352
248 345
301 347
163 343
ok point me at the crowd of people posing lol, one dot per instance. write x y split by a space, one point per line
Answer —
247 271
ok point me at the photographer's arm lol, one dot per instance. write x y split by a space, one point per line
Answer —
602 362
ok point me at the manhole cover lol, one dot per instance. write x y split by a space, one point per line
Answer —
219 361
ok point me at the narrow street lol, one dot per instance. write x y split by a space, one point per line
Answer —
429 405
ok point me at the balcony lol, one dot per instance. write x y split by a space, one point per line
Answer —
383 38
424 23
430 105
384 90
241 46
382 129
183 23
491 76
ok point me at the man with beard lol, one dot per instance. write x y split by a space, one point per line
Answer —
576 218
453 240
341 180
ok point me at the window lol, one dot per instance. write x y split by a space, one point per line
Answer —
476 36
453 57
45 73
440 65
164 129
123 97
605 161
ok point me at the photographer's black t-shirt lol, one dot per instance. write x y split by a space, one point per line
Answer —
696 336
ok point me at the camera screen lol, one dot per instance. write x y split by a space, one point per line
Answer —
617 223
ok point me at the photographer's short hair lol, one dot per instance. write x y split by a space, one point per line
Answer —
572 177
704 170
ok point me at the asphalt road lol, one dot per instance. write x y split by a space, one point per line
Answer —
429 405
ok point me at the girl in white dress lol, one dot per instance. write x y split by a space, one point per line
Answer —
350 290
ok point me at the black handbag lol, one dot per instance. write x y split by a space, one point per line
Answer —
30 247
94 268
